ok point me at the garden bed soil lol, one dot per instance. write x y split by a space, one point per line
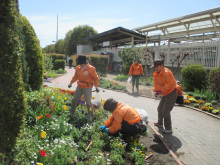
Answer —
154 145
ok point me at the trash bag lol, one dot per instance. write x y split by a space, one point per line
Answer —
129 80
97 100
143 114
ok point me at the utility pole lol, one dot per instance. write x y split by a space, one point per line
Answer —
57 29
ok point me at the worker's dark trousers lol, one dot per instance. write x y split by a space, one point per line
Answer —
135 78
164 108
129 129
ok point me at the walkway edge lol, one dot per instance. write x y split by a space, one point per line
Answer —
165 144
202 111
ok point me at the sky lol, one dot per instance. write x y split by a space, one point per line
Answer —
103 15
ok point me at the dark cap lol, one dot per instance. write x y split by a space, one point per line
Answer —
82 59
157 62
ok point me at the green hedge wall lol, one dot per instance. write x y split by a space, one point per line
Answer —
100 63
12 99
59 64
55 56
34 56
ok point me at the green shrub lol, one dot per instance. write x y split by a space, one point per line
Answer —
197 96
33 54
194 76
214 79
214 102
55 56
190 93
12 102
128 56
48 62
100 63
59 64
60 71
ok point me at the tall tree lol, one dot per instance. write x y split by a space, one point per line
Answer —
66 42
12 101
78 36
34 56
59 47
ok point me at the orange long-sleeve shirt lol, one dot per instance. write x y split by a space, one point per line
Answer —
136 69
179 90
164 81
86 77
122 112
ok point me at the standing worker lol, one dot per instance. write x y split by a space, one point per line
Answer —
86 76
135 71
70 63
165 85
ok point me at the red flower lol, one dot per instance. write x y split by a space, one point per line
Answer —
54 107
43 153
48 115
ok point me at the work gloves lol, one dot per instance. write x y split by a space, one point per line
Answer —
70 85
102 127
107 130
97 89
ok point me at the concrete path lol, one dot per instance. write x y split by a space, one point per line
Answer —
195 138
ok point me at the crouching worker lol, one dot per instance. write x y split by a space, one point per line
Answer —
124 119
179 99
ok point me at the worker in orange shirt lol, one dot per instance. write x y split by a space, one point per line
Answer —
86 77
135 71
165 85
179 99
124 119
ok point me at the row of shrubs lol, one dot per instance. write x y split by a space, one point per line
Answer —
197 77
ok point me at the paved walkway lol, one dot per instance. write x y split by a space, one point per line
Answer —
196 136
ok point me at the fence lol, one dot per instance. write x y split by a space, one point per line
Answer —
207 53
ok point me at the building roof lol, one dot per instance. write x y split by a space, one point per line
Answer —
118 37
197 26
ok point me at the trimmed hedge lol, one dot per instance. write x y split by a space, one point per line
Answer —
34 56
194 77
100 63
55 56
59 64
214 80
12 99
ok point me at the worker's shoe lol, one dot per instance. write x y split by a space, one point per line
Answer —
158 125
166 131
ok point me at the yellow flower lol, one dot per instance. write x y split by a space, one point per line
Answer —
65 98
90 109
58 97
64 107
40 164
43 134
42 95
53 94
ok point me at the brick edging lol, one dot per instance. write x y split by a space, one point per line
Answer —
202 111
166 145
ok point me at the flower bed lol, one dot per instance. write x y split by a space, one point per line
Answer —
51 136
203 105
111 85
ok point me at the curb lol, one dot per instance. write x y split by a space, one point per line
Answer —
210 114
166 145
